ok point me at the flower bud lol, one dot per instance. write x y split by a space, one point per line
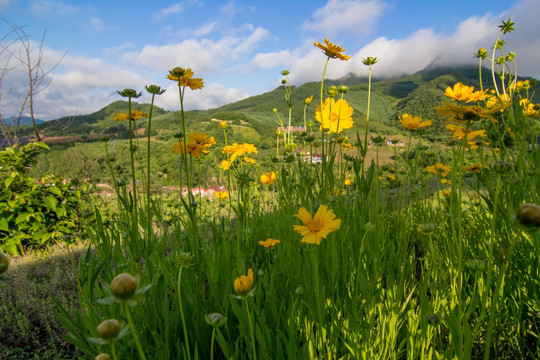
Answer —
332 91
223 124
4 263
109 329
285 72
123 286
529 215
370 60
215 319
481 54
343 89
129 93
154 89
103 356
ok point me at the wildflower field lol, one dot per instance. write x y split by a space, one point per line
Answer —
323 255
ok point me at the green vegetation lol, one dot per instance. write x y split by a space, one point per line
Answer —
423 247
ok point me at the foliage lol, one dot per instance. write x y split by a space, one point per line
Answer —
35 214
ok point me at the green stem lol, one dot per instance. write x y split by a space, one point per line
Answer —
133 178
212 343
134 332
251 332
179 293
149 214
113 351
368 105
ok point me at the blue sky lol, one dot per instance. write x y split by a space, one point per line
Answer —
239 47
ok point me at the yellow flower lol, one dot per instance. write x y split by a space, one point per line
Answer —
191 148
460 92
249 160
225 165
222 195
347 145
445 193
413 122
473 168
202 139
243 284
268 178
136 114
308 100
520 85
223 124
337 115
439 169
459 132
528 108
187 80
269 243
239 150
332 51
348 182
319 227
446 181
497 100
121 117
468 113
391 177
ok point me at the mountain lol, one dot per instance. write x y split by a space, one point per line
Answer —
416 94
25 120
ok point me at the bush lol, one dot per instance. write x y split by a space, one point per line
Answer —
35 214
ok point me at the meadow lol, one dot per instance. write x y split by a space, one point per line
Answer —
330 247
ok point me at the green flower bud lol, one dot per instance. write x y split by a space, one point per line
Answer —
109 329
129 93
103 356
123 286
370 60
285 72
529 215
154 89
342 89
215 319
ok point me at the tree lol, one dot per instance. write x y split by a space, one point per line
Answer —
19 53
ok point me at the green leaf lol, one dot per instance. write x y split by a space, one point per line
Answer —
51 202
3 225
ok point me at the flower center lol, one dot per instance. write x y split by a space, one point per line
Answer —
315 225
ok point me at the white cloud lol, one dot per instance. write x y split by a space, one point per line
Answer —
173 9
339 16
205 29
97 24
43 8
203 56
209 97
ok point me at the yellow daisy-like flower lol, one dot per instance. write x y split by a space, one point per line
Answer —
268 178
121 117
187 80
136 114
221 195
249 160
347 145
468 113
337 115
459 132
439 169
202 139
190 147
332 51
413 123
473 168
319 227
225 165
348 182
243 284
239 150
391 177
459 92
529 109
223 124
269 243
445 193
495 100
308 100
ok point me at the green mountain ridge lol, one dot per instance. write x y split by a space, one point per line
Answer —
416 94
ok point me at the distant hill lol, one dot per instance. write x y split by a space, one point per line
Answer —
416 94
25 120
